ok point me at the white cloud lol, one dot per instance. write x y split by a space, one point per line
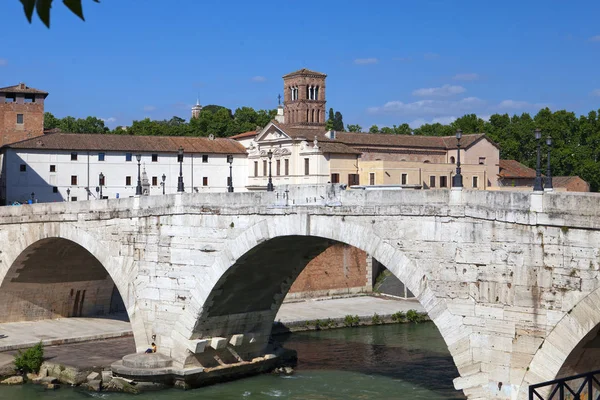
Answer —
3 62
514 104
149 108
433 108
485 117
109 120
596 92
595 38
466 77
365 61
258 78
443 91
431 56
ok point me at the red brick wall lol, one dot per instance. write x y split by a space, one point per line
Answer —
33 121
339 269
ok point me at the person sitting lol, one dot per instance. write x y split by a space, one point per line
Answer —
152 348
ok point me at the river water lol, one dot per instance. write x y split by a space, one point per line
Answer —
403 361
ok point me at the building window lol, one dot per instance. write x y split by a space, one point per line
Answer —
264 167
127 156
100 156
53 168
23 167
73 198
278 168
73 180
404 179
475 182
452 160
54 189
205 181
73 156
482 160
306 166
432 181
204 158
20 119
286 166
371 178
154 157
255 169
155 181
335 178
443 181
127 181
353 179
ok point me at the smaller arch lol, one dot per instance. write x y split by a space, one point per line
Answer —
452 160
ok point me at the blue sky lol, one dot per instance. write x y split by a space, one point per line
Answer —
388 62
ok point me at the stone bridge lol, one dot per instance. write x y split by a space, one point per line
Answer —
510 279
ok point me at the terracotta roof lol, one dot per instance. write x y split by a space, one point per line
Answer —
510 169
107 142
304 71
22 88
244 135
337 148
569 182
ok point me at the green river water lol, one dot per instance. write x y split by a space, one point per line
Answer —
404 361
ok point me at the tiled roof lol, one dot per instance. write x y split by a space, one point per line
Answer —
108 142
337 148
569 182
511 169
244 135
304 71
22 88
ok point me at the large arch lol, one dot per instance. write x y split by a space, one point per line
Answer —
575 327
19 264
314 232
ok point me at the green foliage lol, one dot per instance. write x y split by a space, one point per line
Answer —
354 128
42 8
399 316
350 320
414 316
338 123
376 319
374 129
31 359
75 125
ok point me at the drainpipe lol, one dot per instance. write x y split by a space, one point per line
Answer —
88 176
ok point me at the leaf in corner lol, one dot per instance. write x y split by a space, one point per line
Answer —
28 7
75 7
43 10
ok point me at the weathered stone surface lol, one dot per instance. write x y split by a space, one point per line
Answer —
119 385
13 380
94 385
93 376
106 376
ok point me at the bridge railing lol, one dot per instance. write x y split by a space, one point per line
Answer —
578 387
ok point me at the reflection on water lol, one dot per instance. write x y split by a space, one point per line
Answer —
403 361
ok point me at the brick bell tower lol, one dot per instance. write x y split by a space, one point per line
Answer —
21 113
304 99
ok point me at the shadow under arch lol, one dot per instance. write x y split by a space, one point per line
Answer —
578 328
44 260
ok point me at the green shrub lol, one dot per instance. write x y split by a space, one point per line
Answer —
376 320
350 320
398 317
31 359
413 316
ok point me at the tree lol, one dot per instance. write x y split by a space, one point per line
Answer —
338 123
50 121
354 128
42 8
374 129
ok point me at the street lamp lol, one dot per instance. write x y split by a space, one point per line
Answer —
101 183
164 177
548 172
180 161
68 194
230 161
537 183
457 180
270 184
32 197
138 188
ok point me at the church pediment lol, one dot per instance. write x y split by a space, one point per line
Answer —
271 133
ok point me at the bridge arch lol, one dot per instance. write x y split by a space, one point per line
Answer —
206 315
573 330
23 263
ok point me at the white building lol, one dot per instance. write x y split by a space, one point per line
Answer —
68 167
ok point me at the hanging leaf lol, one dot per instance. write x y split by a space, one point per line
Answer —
28 7
75 7
43 11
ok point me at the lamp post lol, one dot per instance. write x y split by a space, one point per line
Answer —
548 171
537 183
101 183
138 188
457 180
68 194
180 161
270 184
164 177
32 197
230 161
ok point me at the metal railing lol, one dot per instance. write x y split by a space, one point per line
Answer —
578 387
